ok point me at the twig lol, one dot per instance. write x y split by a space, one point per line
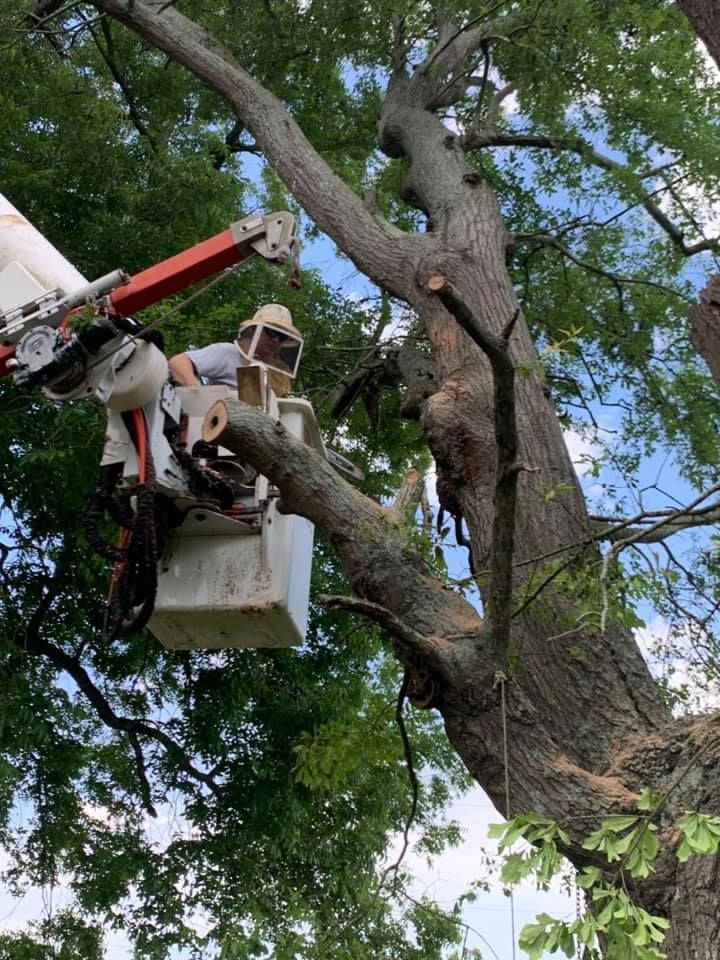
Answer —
482 138
429 646
412 776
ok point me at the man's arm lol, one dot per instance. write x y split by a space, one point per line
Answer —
182 371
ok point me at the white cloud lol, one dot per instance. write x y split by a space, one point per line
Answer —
582 449
450 875
669 651
431 487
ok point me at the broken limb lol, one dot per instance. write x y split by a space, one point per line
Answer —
402 510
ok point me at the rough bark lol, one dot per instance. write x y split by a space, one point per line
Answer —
705 327
705 19
587 727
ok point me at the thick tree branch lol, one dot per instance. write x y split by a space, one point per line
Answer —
380 563
705 20
336 209
431 624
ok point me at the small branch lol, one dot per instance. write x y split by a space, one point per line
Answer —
615 278
620 545
487 120
350 386
614 530
232 144
409 640
507 467
31 642
107 52
478 139
142 773
496 101
548 579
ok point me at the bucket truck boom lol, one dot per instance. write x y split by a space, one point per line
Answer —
203 554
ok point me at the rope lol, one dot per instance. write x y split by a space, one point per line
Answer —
168 313
500 681
579 916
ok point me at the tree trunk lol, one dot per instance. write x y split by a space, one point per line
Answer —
705 19
587 727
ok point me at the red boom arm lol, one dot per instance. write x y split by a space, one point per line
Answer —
271 236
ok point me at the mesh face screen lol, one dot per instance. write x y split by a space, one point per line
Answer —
273 346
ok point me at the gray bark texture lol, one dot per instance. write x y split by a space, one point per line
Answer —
705 20
587 727
705 326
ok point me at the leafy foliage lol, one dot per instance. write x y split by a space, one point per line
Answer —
121 158
628 847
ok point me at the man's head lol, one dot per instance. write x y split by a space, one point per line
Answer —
270 337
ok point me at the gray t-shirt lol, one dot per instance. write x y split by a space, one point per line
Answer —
218 362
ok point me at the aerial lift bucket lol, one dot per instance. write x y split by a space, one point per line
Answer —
243 580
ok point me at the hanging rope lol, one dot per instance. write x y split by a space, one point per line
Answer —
166 316
579 916
500 681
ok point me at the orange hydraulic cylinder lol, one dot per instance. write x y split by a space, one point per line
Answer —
165 278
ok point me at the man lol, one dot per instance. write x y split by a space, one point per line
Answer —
269 337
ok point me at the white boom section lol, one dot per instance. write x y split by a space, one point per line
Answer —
21 243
